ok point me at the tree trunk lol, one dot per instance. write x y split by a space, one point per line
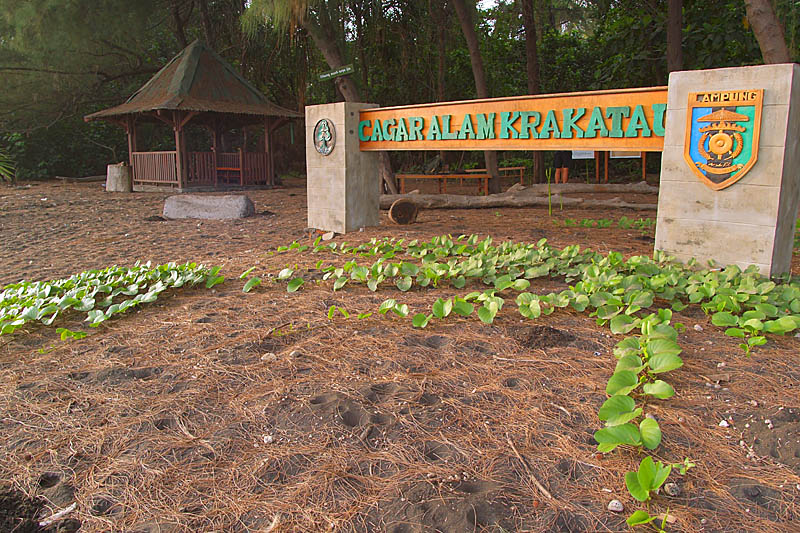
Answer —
532 67
674 35
439 13
208 27
768 31
481 87
345 85
180 22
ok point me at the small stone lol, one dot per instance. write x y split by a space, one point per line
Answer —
597 354
768 421
615 506
720 365
650 416
295 353
328 236
753 403
698 327
724 424
672 489
269 356
268 439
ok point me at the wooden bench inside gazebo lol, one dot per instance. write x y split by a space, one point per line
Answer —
198 87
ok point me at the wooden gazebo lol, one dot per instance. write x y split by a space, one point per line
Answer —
199 87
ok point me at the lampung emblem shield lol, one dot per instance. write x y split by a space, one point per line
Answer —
722 133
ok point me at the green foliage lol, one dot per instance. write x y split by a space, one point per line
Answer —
648 479
98 293
6 167
251 284
637 293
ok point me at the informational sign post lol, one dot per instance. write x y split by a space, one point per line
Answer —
335 73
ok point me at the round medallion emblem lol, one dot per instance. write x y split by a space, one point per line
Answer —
324 136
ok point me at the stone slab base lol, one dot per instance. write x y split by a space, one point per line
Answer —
208 207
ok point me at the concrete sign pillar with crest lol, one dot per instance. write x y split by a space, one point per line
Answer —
343 183
730 170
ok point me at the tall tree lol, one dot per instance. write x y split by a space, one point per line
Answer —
481 87
315 17
768 31
674 35
532 70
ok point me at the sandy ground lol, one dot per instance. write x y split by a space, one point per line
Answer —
224 411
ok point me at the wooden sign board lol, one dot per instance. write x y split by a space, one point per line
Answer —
627 119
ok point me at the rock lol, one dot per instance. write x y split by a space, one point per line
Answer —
328 236
724 424
698 327
672 489
225 207
268 439
119 178
269 357
615 506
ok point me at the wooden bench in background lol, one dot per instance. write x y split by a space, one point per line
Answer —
483 184
506 172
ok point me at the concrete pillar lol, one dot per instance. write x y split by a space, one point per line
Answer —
752 220
344 185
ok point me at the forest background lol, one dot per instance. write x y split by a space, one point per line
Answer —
63 59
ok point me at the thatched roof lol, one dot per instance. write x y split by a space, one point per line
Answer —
197 79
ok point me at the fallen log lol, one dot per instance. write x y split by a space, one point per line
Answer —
618 188
458 201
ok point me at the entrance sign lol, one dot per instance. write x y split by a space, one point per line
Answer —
729 189
628 119
722 133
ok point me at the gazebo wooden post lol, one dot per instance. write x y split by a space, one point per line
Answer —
241 168
243 158
268 152
180 149
130 128
215 145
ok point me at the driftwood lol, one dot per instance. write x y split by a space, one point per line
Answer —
68 179
533 196
403 211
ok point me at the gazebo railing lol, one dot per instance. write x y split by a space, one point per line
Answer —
233 168
255 168
201 168
155 167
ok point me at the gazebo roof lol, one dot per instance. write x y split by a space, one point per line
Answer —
197 79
